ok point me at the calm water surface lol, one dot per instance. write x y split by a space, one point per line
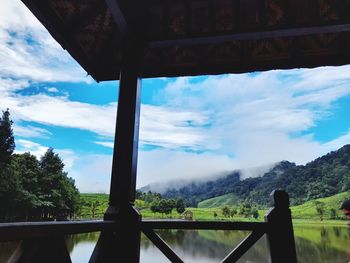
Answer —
315 244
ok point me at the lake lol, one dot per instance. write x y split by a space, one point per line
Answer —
315 244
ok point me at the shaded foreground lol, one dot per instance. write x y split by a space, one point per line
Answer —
315 244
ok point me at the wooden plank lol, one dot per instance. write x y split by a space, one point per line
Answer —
292 32
27 230
209 225
162 245
243 247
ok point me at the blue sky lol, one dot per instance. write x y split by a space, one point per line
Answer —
190 127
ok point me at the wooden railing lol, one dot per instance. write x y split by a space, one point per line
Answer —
44 241
258 230
277 226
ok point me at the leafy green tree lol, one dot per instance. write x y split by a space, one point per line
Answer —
155 207
58 190
226 211
245 210
165 206
320 209
255 213
94 208
233 212
333 213
180 206
7 140
26 171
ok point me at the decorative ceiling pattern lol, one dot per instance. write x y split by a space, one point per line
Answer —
196 37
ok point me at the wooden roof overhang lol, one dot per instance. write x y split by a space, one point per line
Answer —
197 37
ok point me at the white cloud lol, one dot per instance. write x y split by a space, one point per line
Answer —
105 144
31 131
68 156
34 148
161 126
52 89
259 117
163 165
338 142
28 52
92 173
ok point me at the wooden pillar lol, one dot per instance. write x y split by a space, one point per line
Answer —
280 235
123 244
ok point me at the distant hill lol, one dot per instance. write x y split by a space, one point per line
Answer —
323 177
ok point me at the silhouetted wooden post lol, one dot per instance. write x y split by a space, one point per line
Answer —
280 234
124 243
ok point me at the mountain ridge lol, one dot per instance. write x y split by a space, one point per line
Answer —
325 176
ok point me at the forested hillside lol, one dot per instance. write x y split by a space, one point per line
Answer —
325 176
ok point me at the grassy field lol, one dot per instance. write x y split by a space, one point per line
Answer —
94 205
308 209
228 199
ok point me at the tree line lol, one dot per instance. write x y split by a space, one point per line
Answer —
31 188
157 204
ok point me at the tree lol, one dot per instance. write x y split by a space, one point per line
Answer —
255 213
60 196
226 211
155 206
180 206
165 206
333 213
7 140
233 212
245 209
26 171
320 209
94 207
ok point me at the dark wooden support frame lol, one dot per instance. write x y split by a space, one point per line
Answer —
124 243
288 32
281 236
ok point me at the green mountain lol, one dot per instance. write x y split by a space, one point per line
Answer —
323 177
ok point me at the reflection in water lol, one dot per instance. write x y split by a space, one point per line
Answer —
314 244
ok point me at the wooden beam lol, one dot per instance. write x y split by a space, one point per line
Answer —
209 225
124 243
123 181
162 246
29 230
243 247
118 16
293 32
